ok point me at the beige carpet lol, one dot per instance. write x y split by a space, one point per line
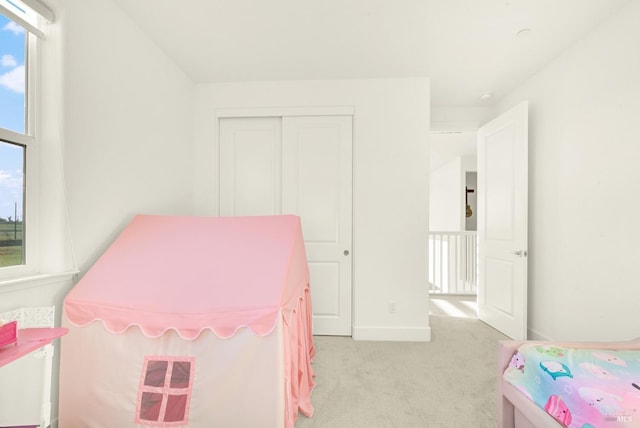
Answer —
448 382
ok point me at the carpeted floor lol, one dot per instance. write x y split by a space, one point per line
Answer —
448 382
454 306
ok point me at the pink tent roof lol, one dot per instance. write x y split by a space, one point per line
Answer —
194 273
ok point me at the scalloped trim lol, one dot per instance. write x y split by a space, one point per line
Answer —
154 335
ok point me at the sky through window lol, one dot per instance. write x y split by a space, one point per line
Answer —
12 115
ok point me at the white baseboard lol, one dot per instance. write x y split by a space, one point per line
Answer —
394 334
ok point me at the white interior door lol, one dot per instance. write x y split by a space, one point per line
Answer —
502 222
317 186
298 165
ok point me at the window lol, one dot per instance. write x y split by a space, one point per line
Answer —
20 28
14 141
165 391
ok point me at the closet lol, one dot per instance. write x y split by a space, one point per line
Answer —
298 165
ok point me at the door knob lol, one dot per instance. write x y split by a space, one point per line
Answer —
520 253
346 252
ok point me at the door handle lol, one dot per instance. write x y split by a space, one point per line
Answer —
520 253
346 252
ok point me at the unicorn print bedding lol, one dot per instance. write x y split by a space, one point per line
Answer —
580 388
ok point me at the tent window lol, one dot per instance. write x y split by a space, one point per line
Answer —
156 373
165 391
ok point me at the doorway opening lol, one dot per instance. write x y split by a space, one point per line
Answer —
500 257
453 224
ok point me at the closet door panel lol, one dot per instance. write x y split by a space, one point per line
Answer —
317 186
250 166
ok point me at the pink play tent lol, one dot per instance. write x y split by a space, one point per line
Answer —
191 322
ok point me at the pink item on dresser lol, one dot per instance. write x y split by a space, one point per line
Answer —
8 333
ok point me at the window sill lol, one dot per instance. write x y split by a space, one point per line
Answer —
36 280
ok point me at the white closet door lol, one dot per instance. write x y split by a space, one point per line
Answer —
250 166
317 186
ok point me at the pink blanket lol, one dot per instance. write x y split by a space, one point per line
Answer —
579 387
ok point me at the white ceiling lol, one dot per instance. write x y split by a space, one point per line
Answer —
466 47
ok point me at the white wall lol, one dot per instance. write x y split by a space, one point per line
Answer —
447 146
447 209
446 197
584 195
451 155
391 126
128 126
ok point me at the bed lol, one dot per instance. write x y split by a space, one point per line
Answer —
567 366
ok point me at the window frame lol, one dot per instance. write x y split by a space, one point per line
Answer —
28 140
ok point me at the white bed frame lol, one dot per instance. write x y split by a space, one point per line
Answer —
517 411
